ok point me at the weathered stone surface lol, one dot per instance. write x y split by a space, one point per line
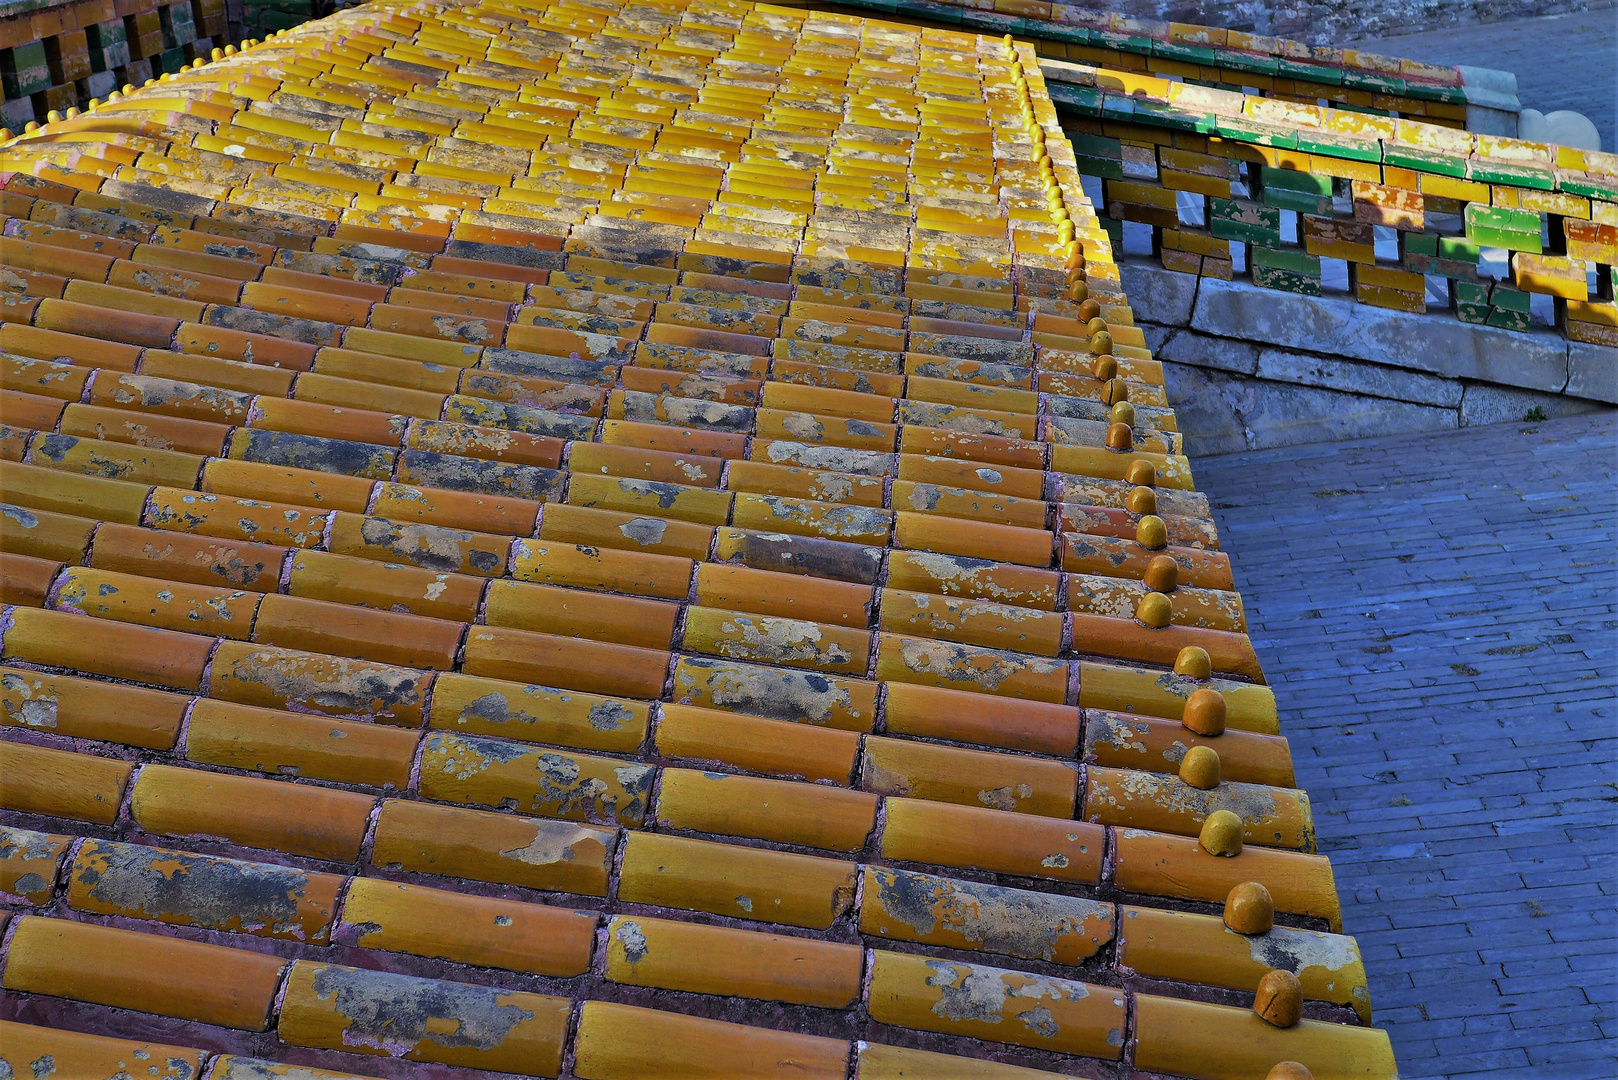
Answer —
1158 295
1190 347
1340 327
1375 380
1156 336
1592 372
1224 413
1499 405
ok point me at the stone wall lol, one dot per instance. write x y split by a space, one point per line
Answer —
1248 368
1333 22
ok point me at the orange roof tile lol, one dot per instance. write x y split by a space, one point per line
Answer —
605 536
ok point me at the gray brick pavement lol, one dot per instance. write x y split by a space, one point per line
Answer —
1439 615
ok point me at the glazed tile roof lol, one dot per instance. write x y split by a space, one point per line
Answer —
611 541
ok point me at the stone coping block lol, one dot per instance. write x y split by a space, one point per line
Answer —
1340 328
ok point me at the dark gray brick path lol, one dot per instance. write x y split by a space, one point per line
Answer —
1561 61
1439 615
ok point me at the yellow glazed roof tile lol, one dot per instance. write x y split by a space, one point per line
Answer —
621 537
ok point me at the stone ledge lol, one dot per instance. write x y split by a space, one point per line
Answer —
1592 372
1223 412
1338 327
1228 413
1234 320
1374 380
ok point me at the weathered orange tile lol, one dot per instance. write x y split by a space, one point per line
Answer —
707 447
531 852
570 663
1109 556
59 492
311 488
26 580
179 510
972 539
869 525
245 346
644 464
535 780
878 1062
742 588
75 1054
672 955
587 567
499 514
1026 1010
777 693
907 906
119 650
952 666
193 609
984 579
970 777
316 683
1271 817
740 882
291 744
355 395
1222 1043
415 543
1188 606
90 709
959 473
968 504
1154 692
988 449
140 429
529 713
199 560
978 838
1161 864
299 819
1119 740
42 534
1130 639
1194 948
810 815
135 464
28 864
625 620
700 506
757 744
825 430
386 637
375 1012
221 374
973 622
814 485
791 642
478 930
176 887
567 523
348 579
41 343
189 980
622 1042
31 412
